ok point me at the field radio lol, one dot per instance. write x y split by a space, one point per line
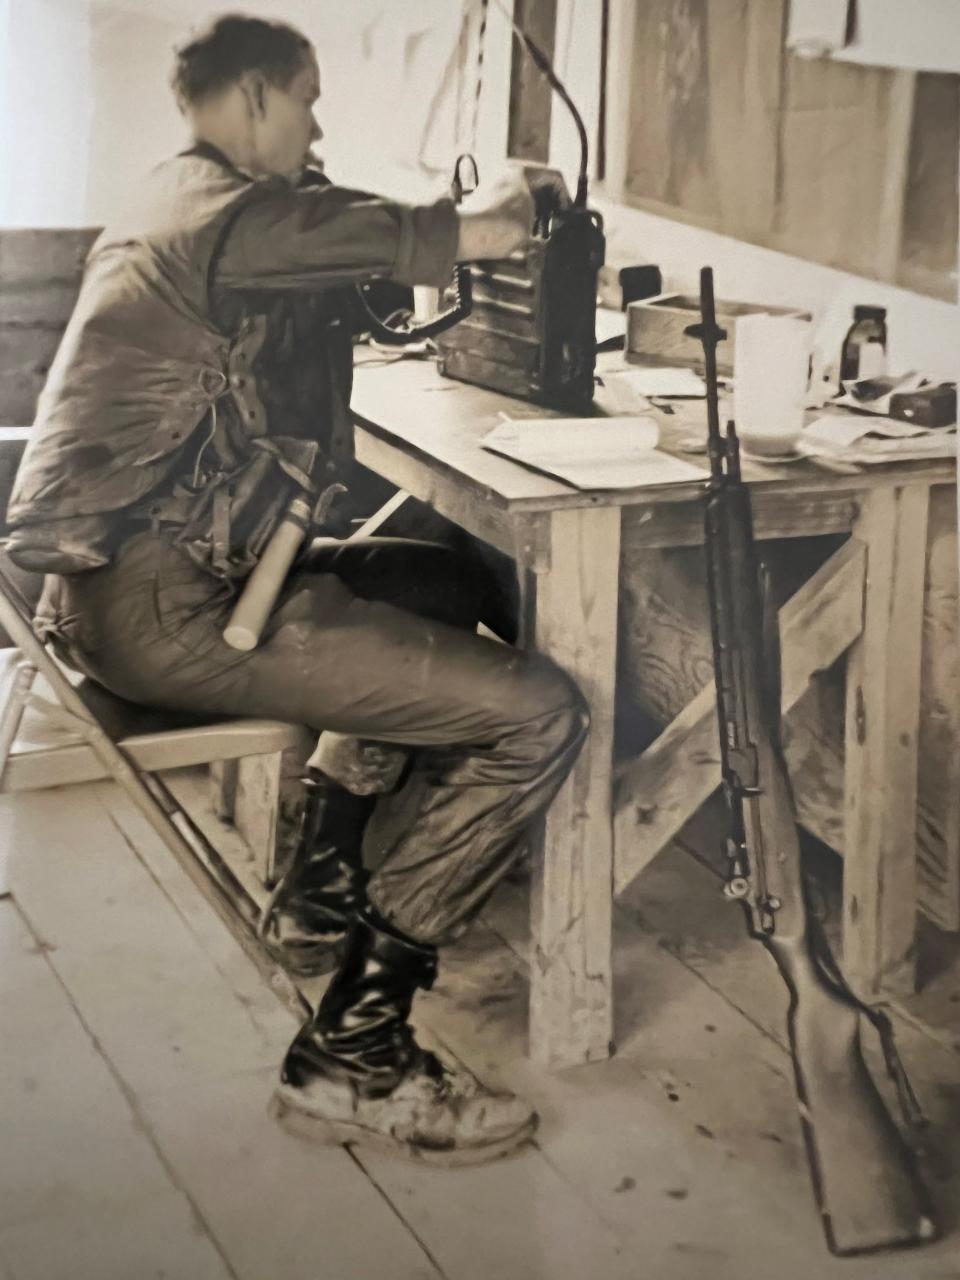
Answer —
531 330
524 325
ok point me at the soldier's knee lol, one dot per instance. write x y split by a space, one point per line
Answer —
564 717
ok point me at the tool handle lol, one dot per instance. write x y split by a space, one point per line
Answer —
261 589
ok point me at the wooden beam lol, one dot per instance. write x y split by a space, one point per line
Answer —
775 515
893 194
619 88
223 788
531 97
938 783
571 997
882 723
444 492
256 809
662 788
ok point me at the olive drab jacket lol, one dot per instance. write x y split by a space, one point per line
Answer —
204 376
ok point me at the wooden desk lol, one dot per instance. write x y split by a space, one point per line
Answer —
422 432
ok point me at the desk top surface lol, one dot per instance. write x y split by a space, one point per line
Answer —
407 405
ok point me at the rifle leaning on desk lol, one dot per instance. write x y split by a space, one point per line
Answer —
864 1178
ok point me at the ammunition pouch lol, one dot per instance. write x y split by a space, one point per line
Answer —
225 524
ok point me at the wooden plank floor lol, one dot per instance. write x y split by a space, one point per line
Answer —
140 1045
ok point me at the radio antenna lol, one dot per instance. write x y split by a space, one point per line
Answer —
545 67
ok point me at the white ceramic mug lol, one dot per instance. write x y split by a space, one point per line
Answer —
770 379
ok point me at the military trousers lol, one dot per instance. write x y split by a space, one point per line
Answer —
373 638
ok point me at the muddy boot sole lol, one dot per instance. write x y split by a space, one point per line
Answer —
341 1133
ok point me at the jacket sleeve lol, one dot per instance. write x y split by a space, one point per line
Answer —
316 237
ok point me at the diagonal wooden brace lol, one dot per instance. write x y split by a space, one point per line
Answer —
657 793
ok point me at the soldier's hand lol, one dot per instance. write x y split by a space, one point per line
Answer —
497 218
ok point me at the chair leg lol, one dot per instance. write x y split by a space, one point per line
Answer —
223 788
14 707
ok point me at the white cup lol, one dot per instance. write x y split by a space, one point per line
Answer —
426 302
770 378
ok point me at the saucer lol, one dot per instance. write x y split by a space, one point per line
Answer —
771 459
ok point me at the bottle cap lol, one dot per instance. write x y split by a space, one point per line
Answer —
861 312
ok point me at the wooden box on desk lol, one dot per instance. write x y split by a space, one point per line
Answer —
655 329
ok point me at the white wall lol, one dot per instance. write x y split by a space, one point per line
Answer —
135 122
86 106
46 108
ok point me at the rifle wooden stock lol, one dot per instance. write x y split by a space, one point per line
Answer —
865 1180
864 1177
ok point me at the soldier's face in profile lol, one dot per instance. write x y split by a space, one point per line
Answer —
287 126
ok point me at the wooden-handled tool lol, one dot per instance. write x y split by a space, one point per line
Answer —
261 589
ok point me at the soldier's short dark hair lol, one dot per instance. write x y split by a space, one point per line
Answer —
231 45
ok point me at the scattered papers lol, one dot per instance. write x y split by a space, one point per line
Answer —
843 429
868 436
872 395
592 453
849 438
869 451
662 383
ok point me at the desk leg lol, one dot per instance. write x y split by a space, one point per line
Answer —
882 723
575 623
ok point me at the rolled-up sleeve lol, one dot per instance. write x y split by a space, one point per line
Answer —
317 237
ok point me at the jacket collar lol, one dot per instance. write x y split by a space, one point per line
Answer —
207 151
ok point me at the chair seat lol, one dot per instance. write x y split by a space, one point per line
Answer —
47 753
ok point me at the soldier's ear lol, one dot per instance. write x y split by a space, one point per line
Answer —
253 86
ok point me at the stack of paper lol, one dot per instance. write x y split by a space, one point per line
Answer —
854 438
592 453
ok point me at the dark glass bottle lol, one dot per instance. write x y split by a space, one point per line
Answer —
869 330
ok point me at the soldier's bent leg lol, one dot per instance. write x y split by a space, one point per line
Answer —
494 733
355 1072
493 730
308 912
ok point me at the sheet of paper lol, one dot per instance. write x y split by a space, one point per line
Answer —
863 439
836 429
872 395
610 324
842 429
592 453
663 383
941 445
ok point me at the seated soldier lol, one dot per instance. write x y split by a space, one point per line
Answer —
203 381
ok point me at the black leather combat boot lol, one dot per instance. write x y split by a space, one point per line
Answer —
355 1073
311 907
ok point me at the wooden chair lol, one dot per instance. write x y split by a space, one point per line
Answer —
84 737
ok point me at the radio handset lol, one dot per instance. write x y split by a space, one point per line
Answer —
404 332
398 335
